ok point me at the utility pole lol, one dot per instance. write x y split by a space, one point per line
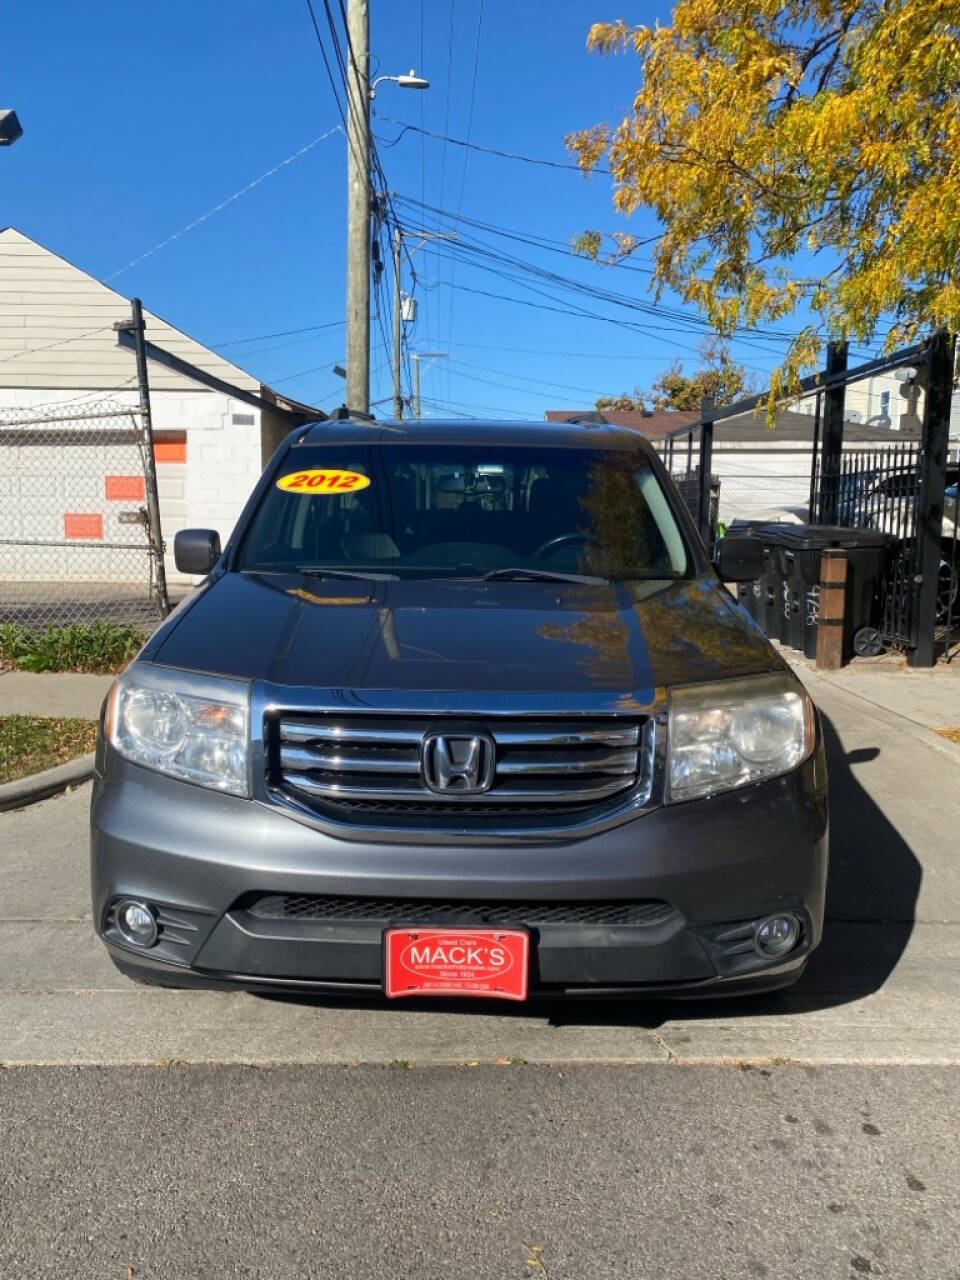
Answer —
397 324
424 238
416 357
358 206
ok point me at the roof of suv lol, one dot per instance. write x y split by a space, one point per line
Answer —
485 432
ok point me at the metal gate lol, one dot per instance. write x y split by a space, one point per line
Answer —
879 490
75 541
905 490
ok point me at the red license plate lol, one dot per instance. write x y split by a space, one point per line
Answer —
457 962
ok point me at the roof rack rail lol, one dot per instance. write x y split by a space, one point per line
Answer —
592 419
345 414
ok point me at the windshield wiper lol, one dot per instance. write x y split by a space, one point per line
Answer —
539 575
365 576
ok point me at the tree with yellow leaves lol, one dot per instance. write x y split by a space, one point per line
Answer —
721 378
800 152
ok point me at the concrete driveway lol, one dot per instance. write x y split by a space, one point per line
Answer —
884 987
587 1142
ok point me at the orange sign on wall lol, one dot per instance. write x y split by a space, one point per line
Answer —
78 524
170 446
126 488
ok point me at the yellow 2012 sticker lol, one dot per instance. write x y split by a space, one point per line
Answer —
326 481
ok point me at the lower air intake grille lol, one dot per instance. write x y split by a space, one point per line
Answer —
280 906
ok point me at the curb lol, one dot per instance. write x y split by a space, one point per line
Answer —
38 786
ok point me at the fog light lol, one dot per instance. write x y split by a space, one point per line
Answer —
777 935
137 923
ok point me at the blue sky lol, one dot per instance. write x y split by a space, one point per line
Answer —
138 119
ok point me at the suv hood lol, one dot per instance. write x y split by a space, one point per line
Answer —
492 637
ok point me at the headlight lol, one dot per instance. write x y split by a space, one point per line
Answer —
189 726
731 734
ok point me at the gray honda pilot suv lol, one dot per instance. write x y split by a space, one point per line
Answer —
460 709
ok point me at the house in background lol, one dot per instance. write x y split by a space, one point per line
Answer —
764 472
58 348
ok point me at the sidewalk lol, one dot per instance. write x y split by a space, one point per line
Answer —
928 699
61 694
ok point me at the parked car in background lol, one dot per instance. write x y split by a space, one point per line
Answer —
889 504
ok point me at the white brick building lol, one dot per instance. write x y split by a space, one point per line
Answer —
59 353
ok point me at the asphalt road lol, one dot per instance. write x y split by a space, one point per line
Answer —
567 1173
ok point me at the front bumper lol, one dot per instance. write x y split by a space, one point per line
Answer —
720 864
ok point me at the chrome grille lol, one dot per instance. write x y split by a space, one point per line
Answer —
367 764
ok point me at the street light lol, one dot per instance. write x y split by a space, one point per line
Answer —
10 127
409 81
359 93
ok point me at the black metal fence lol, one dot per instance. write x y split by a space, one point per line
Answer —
879 490
903 488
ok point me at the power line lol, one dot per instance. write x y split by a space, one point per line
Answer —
543 351
458 404
571 309
407 127
252 353
282 333
466 156
291 377
330 76
525 237
217 208
548 383
61 342
446 113
526 391
570 312
96 395
423 149
508 266
444 152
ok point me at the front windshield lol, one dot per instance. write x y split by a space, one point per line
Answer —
452 511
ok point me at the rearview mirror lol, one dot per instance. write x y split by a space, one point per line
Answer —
196 551
739 559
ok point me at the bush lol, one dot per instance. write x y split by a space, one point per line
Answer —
100 647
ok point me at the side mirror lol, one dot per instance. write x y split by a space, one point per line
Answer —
196 551
739 559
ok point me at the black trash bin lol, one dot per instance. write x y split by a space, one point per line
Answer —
800 548
763 597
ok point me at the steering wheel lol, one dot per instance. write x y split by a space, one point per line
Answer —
561 540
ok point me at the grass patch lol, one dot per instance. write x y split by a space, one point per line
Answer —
31 743
951 733
95 647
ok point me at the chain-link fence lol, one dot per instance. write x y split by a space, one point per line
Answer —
763 496
74 532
